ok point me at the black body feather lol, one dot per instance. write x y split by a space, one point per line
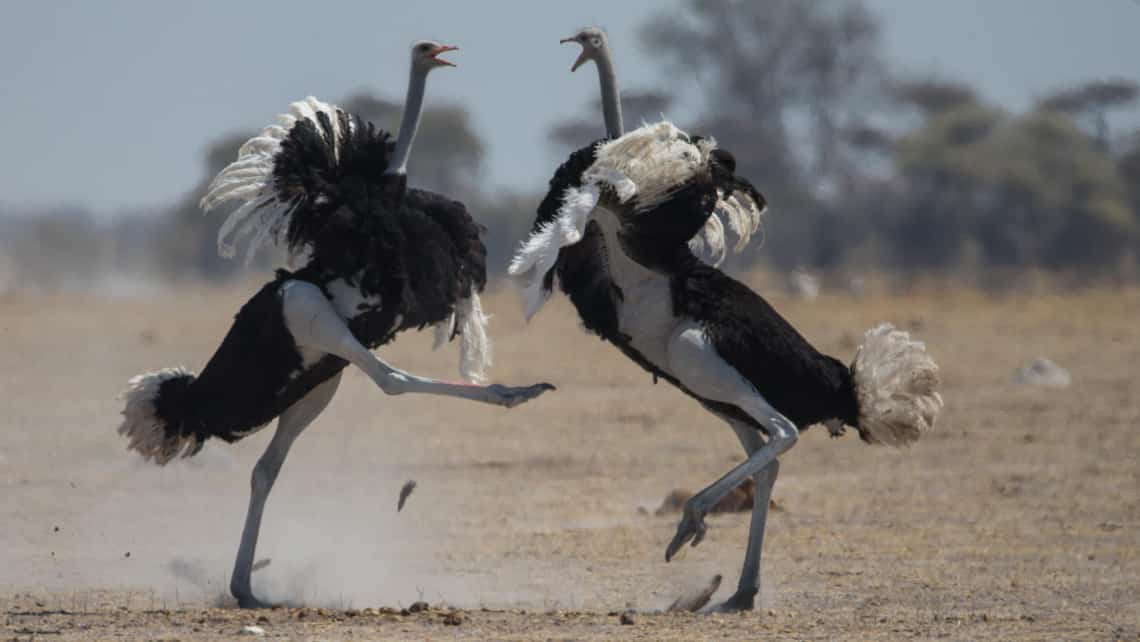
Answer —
411 254
803 384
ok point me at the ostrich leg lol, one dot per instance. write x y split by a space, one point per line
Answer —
744 599
694 360
314 323
289 426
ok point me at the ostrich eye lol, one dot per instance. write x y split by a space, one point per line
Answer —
597 42
423 48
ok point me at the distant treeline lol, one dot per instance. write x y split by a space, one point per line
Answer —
865 168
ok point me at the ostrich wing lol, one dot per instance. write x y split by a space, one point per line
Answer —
292 177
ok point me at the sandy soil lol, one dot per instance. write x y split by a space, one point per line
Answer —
1019 518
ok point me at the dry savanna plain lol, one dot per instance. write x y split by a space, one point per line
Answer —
1018 518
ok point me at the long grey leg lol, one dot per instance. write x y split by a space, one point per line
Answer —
749 586
694 361
289 426
314 323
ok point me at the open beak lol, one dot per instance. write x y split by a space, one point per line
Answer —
443 49
582 58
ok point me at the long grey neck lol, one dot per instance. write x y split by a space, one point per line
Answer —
611 96
413 105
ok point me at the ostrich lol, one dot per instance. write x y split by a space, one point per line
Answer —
378 258
621 229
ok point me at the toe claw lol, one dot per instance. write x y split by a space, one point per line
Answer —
692 527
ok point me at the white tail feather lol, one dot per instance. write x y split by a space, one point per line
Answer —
896 384
145 430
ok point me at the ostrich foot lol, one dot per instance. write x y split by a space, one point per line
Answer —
511 396
692 527
741 600
246 600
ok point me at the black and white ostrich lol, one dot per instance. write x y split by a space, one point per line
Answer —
378 258
621 229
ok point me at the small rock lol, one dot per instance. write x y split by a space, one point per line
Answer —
416 607
627 618
252 630
452 619
127 554
55 530
1043 372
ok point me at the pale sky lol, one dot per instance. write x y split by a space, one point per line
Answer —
108 104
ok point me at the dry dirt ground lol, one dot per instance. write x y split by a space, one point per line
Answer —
1018 519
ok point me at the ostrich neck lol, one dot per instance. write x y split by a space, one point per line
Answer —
611 96
413 105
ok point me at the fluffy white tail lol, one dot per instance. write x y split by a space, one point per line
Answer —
152 416
896 383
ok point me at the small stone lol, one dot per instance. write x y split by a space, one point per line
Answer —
252 630
452 619
627 618
418 606
1043 372
127 554
55 530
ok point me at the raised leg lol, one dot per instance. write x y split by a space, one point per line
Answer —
694 360
314 323
291 424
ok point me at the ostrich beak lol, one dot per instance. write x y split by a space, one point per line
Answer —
582 57
443 49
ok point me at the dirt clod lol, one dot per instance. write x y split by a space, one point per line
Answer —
405 491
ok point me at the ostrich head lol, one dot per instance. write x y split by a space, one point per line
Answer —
595 46
425 55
